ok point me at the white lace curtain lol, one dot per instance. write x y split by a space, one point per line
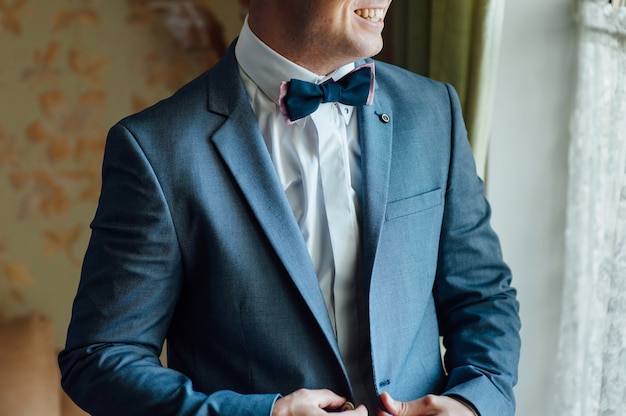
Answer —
591 358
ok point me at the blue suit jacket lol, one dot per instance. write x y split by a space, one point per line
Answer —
194 241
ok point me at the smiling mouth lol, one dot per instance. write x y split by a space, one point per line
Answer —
373 15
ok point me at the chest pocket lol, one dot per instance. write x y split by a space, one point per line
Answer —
413 204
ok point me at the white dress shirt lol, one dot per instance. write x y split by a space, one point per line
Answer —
298 152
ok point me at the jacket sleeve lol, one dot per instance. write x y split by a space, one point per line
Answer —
477 308
130 282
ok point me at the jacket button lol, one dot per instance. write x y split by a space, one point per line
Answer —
346 407
385 118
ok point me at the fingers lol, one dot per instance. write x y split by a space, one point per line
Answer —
430 405
395 407
359 411
313 402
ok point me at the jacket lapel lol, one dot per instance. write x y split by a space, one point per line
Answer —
376 130
241 145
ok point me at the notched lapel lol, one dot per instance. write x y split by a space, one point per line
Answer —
242 148
376 134
241 145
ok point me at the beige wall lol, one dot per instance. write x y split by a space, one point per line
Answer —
68 71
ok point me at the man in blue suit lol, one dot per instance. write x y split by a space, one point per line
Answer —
299 253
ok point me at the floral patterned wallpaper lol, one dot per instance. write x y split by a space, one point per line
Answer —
69 69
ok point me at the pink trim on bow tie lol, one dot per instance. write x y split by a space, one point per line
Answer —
281 104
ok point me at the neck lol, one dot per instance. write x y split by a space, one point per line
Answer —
303 52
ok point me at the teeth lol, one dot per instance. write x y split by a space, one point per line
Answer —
373 15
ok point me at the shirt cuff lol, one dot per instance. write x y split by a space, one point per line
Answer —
465 402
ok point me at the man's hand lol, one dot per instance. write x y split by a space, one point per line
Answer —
426 406
313 402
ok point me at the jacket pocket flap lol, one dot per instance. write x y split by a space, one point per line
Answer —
413 204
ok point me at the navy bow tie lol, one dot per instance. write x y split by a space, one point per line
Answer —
298 98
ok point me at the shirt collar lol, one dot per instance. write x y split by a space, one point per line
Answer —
268 69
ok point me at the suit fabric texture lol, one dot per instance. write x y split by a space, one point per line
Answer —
194 241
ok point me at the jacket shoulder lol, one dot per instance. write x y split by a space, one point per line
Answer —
208 98
185 102
400 81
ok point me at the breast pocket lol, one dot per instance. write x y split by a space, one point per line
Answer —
413 205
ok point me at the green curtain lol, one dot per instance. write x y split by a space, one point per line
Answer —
456 41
